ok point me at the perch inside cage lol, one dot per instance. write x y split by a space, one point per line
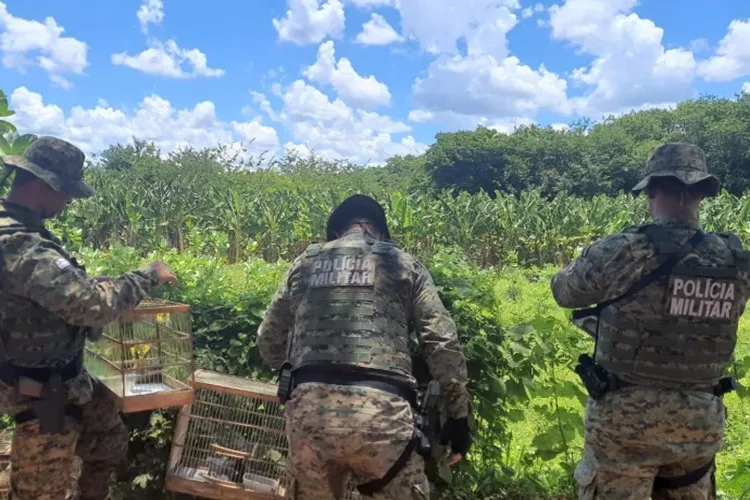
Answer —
230 443
145 358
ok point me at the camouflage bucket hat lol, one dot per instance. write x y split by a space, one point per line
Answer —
56 162
358 205
681 160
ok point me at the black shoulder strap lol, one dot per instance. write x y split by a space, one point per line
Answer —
661 239
645 281
377 485
383 247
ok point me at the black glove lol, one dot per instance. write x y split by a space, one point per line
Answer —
457 433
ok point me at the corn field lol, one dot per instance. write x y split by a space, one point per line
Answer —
232 216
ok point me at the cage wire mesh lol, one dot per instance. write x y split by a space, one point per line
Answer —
145 358
231 442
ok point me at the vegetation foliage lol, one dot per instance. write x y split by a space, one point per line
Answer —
493 216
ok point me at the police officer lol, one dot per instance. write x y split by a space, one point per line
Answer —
669 297
48 307
346 307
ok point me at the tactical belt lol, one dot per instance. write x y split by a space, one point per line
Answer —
342 376
692 477
10 373
717 390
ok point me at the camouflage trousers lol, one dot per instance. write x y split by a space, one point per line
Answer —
341 436
636 434
41 463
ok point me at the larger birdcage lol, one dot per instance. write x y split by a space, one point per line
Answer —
231 442
145 358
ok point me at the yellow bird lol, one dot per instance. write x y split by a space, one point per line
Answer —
140 351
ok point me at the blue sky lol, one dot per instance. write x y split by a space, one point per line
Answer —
361 80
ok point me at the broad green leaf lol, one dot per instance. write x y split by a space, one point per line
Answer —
4 146
6 127
4 111
518 348
21 143
498 385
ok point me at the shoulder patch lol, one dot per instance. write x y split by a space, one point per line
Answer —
62 263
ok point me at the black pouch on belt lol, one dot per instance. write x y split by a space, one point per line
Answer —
50 405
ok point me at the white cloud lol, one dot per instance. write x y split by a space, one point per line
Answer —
307 21
56 54
530 11
699 45
150 12
485 85
631 67
746 87
450 121
420 115
169 60
560 127
305 102
335 131
732 59
377 31
363 4
508 125
353 89
154 119
481 85
438 25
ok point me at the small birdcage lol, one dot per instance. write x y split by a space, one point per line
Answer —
231 443
145 358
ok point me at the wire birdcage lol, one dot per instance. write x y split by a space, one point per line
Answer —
231 442
145 358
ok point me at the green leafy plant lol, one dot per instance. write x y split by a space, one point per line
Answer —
11 143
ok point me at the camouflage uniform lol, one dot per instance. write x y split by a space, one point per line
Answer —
668 350
49 308
336 430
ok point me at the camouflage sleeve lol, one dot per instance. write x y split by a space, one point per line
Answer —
36 271
273 332
439 343
595 274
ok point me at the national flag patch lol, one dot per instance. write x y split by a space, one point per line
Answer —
62 263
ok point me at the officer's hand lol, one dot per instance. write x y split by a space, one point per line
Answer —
457 433
163 273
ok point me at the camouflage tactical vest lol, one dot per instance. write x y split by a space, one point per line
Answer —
351 300
31 335
681 330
